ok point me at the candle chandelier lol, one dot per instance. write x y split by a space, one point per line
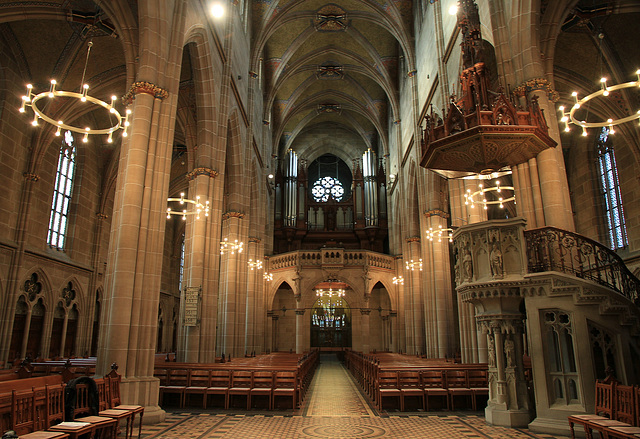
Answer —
230 247
605 90
32 100
398 280
267 276
501 194
330 291
196 210
413 265
254 265
439 232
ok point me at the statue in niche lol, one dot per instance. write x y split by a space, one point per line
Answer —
496 261
467 265
510 352
491 347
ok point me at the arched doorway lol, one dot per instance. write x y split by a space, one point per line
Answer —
330 323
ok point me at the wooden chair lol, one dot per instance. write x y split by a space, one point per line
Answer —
219 384
625 410
604 409
285 385
479 384
54 408
262 386
241 381
23 411
198 384
434 384
410 385
388 388
458 385
178 379
114 395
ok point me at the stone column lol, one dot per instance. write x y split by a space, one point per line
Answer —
300 330
128 329
364 329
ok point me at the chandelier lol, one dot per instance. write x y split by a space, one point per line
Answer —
331 291
267 276
398 280
438 233
254 265
412 265
230 247
118 121
605 90
480 196
198 207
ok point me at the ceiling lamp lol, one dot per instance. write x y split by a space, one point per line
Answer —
31 100
438 233
230 247
257 265
411 265
196 210
480 196
398 280
328 290
570 117
268 276
339 292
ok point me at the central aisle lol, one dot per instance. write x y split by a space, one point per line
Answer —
334 393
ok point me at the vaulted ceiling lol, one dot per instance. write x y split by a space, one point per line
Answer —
331 71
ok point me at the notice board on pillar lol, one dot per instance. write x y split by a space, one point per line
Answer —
191 306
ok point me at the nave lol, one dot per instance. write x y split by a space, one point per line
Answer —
335 407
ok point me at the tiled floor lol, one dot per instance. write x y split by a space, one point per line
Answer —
333 408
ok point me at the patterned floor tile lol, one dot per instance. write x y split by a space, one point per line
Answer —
334 408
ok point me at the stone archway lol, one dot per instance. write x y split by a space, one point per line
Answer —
331 323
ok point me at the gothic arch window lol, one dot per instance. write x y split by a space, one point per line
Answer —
610 186
604 348
58 220
560 357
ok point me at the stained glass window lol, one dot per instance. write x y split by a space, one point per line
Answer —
615 221
325 187
58 221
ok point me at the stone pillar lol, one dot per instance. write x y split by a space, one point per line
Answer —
300 330
508 396
128 329
489 273
364 329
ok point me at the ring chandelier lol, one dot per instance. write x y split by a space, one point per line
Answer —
412 265
254 265
438 233
472 198
230 247
570 117
199 207
31 100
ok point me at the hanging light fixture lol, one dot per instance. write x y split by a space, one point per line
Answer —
331 292
267 276
439 232
398 280
254 265
32 100
502 195
413 265
605 90
230 247
196 210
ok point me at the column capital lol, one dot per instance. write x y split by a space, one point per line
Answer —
196 172
29 176
146 88
300 311
365 311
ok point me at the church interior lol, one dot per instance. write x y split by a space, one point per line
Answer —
449 181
